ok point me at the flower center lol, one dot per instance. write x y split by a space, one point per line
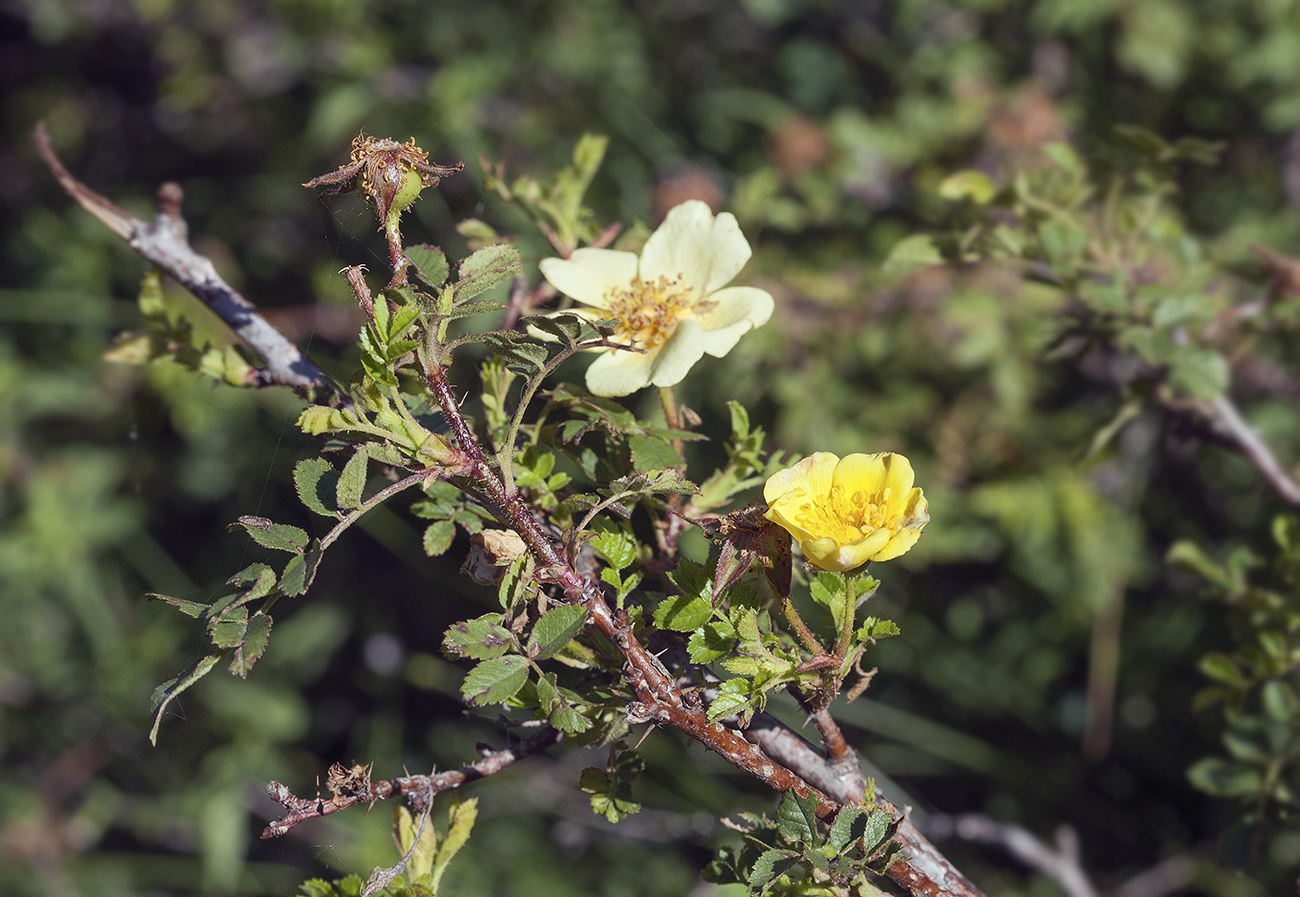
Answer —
648 310
845 516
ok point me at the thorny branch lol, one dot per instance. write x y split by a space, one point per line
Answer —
658 697
772 750
165 242
420 789
383 877
923 870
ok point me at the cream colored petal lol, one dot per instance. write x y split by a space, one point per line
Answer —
812 475
706 251
589 274
738 310
675 358
618 373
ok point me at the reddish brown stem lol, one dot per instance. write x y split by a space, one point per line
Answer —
658 697
923 870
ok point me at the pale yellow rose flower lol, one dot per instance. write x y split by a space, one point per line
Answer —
846 512
673 301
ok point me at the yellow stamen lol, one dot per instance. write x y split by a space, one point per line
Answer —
847 517
649 311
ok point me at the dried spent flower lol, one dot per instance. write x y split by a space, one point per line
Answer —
389 173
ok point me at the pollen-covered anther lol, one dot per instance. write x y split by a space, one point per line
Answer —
649 310
672 302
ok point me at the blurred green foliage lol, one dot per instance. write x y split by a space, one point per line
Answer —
829 129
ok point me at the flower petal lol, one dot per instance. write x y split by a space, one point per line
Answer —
784 514
862 473
812 476
824 553
620 373
589 274
902 542
706 251
675 357
738 310
871 548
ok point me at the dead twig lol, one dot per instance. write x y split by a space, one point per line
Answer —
418 789
382 877
165 242
1059 863
1226 422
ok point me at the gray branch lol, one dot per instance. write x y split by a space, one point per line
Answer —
165 242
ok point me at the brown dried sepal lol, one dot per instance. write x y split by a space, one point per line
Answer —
747 536
346 781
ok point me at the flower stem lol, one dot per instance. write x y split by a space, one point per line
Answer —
393 232
801 629
845 636
673 417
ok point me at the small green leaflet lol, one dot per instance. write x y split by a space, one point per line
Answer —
683 613
273 535
256 637
256 580
228 631
430 263
733 697
495 681
616 547
300 571
553 631
772 864
848 826
713 640
481 638
514 348
169 690
488 267
438 536
313 478
352 481
796 817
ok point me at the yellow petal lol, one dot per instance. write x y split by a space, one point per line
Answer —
823 553
782 514
869 549
902 542
812 475
861 473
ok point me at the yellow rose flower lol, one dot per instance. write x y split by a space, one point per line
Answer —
673 301
846 512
